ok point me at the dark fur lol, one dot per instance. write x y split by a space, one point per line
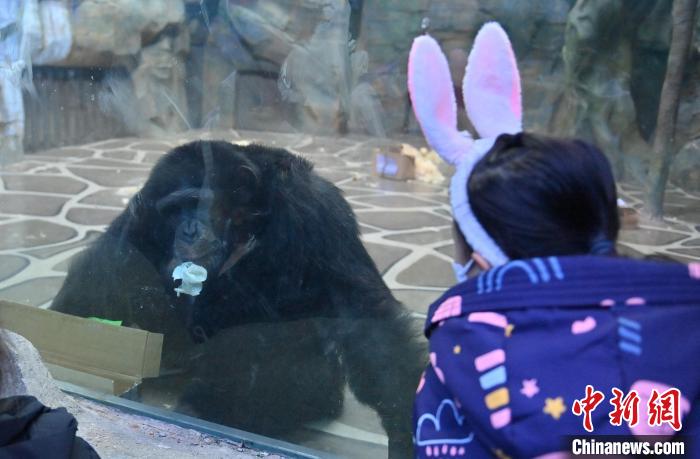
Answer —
287 325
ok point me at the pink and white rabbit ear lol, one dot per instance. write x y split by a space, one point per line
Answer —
492 84
433 99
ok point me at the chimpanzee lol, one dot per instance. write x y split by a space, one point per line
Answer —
292 308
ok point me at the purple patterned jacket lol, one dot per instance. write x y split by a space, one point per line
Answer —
513 349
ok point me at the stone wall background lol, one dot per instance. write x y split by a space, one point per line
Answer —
536 29
589 69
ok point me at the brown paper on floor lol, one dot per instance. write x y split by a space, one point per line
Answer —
86 352
392 164
629 217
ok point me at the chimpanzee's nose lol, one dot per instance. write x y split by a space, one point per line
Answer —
190 229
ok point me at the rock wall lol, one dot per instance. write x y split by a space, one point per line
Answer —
25 373
64 41
589 69
389 27
109 33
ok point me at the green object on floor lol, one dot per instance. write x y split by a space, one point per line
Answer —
116 323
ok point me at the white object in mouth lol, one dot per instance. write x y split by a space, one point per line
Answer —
192 277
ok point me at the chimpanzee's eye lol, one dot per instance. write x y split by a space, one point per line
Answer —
183 198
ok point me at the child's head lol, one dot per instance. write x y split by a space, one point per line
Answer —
538 196
513 194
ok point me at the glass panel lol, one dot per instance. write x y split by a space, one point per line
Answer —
294 333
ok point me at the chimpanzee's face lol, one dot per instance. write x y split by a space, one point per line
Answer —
205 217
200 231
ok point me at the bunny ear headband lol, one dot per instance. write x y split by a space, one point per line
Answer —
491 91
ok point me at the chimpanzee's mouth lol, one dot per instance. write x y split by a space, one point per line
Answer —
213 259
210 261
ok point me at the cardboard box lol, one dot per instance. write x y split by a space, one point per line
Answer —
629 218
86 352
392 164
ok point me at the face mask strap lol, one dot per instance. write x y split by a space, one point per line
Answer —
462 271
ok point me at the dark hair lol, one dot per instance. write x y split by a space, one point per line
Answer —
538 196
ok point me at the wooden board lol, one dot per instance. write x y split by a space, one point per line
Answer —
120 354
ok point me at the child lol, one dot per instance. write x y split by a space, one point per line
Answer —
522 353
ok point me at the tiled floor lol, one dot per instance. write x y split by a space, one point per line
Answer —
55 202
